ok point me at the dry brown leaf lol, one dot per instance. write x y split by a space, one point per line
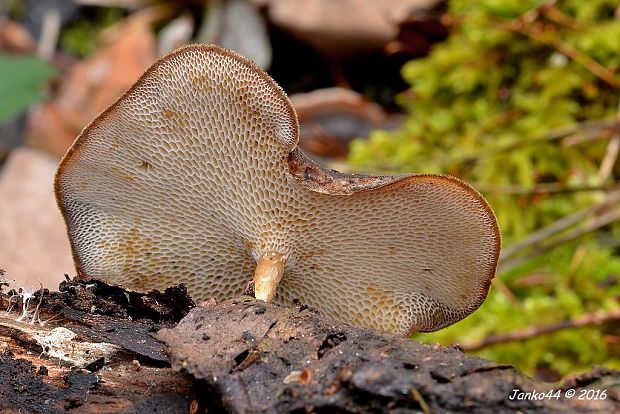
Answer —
93 84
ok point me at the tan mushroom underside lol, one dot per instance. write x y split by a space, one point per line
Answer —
193 175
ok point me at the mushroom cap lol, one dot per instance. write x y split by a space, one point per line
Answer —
194 173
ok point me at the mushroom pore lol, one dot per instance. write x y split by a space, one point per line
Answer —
193 175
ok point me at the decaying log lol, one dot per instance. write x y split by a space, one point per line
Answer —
95 353
105 350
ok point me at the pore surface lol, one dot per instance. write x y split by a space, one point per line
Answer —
186 179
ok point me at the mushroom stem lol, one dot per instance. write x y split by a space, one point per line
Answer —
269 271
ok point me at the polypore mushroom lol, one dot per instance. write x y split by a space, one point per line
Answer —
193 175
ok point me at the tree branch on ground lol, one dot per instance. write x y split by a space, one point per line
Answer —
590 319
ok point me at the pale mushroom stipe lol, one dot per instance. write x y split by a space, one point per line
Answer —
193 175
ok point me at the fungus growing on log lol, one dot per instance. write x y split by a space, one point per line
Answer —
193 175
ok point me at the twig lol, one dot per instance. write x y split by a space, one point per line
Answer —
611 153
610 158
580 139
590 129
557 16
543 188
578 256
587 227
505 290
590 319
560 225
593 128
527 29
49 34
415 394
586 61
125 4
534 13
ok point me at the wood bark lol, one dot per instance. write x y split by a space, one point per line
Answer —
105 350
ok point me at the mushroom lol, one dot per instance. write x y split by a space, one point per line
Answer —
193 175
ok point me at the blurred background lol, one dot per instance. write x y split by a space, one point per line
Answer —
518 97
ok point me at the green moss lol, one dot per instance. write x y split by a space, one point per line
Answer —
566 290
80 37
481 107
